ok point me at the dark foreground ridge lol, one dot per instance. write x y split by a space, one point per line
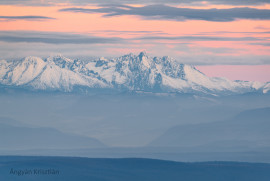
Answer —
127 169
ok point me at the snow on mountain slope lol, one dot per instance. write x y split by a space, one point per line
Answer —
26 70
4 68
129 72
266 88
57 73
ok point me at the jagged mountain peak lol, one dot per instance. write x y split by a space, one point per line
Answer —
129 72
142 54
59 58
129 56
31 60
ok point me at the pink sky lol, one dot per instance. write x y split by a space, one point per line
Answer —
247 39
238 72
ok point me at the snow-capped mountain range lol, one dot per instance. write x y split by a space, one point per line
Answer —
126 73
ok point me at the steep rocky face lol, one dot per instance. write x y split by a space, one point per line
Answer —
129 72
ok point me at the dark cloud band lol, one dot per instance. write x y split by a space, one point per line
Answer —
69 38
29 18
179 14
54 38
